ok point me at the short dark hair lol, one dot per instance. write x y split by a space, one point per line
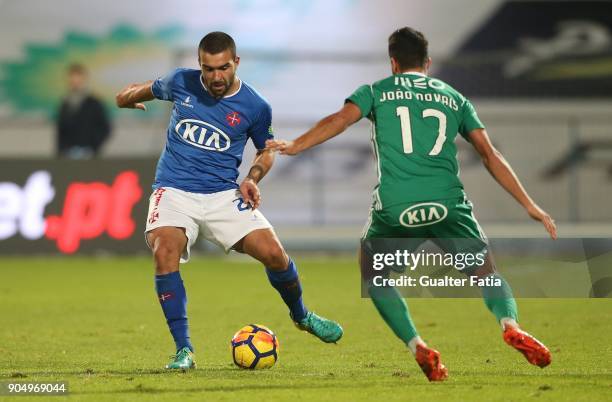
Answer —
408 47
77 68
217 42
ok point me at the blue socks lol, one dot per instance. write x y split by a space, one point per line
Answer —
287 283
173 300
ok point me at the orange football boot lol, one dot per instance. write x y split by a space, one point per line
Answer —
429 361
534 351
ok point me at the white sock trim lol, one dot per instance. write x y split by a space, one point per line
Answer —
507 321
412 344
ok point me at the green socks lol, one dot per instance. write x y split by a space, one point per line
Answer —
499 299
394 310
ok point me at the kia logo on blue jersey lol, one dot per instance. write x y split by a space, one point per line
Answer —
202 135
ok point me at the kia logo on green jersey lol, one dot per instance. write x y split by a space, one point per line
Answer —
426 213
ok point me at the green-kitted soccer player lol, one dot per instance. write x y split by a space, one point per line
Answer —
415 120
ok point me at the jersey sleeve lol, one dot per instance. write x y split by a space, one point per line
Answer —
163 87
363 98
469 120
261 129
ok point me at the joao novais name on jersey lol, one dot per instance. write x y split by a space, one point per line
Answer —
422 83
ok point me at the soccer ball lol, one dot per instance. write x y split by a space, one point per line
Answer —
254 347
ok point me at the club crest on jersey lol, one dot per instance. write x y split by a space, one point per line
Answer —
233 119
202 135
423 214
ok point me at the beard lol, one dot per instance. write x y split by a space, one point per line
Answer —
219 88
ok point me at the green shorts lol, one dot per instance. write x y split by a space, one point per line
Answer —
449 223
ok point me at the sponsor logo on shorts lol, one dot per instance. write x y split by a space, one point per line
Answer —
423 214
202 135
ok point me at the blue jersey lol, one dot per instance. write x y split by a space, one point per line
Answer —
206 136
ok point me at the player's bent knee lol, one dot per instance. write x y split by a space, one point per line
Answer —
166 256
276 258
487 269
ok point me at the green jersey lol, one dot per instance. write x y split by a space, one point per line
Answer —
415 120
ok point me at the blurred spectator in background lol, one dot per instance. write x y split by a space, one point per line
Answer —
82 125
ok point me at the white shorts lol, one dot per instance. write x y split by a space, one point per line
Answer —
221 217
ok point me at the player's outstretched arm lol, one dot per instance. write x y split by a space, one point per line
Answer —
133 96
325 129
260 167
501 170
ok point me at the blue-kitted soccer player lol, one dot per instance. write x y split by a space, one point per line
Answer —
195 189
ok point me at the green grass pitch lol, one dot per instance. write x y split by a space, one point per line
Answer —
96 324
